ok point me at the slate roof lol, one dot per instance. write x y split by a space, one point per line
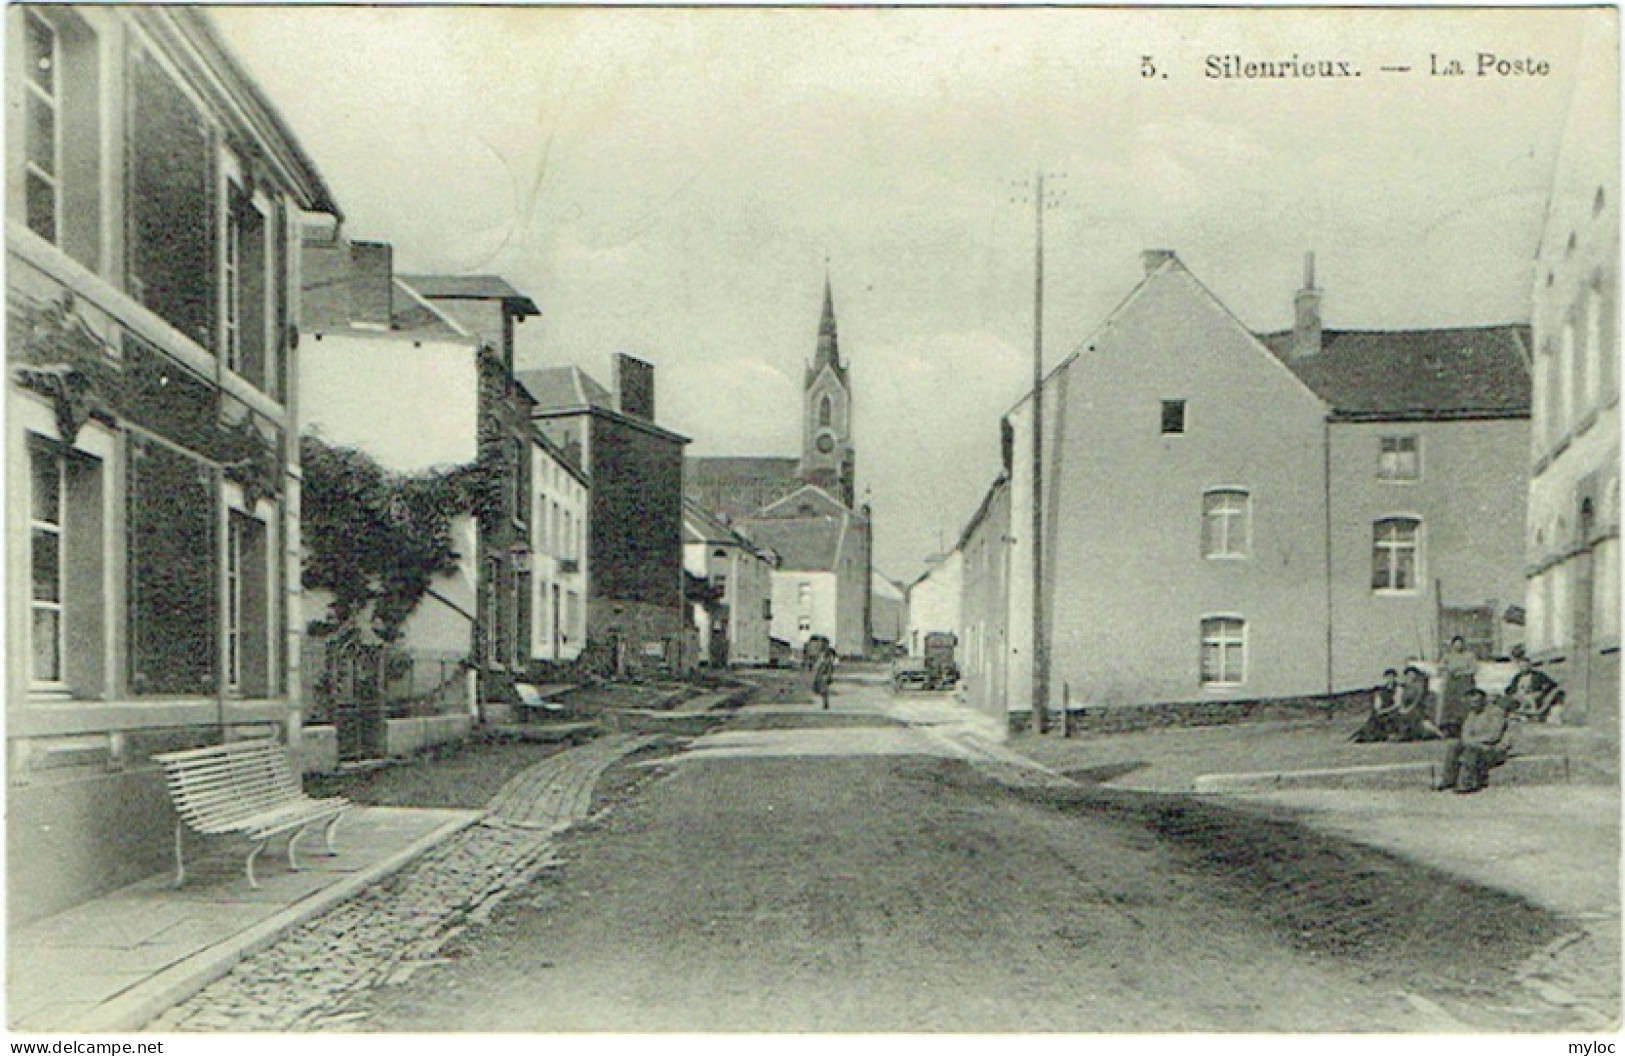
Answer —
559 388
1451 373
804 544
710 469
700 525
471 288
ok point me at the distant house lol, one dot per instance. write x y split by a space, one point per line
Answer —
984 578
1229 516
486 308
152 202
634 586
821 585
417 386
934 601
888 613
735 630
1572 544
561 495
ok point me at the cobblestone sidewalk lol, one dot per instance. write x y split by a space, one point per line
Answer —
305 980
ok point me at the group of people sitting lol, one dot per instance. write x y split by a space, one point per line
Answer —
1478 730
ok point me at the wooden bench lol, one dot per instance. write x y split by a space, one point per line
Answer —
243 787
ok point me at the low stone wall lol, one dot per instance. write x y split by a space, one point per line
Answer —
1134 718
404 737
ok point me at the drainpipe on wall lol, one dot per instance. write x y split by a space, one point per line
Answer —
1326 482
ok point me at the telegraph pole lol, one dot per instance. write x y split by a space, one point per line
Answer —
1040 641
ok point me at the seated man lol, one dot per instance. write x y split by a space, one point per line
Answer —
1484 741
1534 691
1382 724
1411 723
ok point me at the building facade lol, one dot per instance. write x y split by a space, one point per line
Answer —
888 614
152 301
1196 549
487 309
934 601
1573 590
635 616
736 630
560 505
821 584
984 557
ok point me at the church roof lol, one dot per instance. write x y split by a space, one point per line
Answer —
708 469
809 500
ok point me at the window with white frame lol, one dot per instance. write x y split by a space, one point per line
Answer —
244 273
1226 523
804 595
43 152
1399 458
58 87
46 529
1224 651
1396 555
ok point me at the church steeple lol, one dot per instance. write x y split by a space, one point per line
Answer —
829 350
827 455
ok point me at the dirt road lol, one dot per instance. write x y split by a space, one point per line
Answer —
825 872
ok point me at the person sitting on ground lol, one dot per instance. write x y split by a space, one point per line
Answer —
1535 692
1382 723
1459 665
1411 723
1484 742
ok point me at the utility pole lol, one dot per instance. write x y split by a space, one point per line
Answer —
1040 642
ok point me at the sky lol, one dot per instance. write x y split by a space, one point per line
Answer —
674 184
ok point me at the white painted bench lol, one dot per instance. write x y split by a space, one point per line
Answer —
243 787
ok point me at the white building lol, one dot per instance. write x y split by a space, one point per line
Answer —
558 564
738 631
934 601
1573 594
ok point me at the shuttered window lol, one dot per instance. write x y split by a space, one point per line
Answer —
172 588
171 230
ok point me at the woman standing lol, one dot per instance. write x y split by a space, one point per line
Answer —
1459 665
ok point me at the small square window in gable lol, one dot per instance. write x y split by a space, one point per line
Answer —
1173 416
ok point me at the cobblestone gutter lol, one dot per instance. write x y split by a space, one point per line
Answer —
381 937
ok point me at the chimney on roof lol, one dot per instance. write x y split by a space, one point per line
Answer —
1155 258
634 387
1306 337
372 289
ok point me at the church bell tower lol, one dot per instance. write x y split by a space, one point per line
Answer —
827 455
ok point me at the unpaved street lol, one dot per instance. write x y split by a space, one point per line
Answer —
800 870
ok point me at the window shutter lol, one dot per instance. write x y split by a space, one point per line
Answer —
172 580
169 202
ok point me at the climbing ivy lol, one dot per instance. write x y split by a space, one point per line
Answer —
376 540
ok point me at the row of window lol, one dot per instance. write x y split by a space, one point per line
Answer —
1576 374
559 529
181 571
1396 542
205 249
1398 457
